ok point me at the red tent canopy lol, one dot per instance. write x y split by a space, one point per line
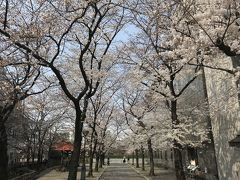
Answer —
63 146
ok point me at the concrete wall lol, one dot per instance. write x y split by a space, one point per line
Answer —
224 110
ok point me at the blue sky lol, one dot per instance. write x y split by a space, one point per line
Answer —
126 33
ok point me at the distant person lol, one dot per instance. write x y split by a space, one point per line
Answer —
108 161
128 159
124 160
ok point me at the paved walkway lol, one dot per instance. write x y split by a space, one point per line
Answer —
120 171
160 173
116 171
55 174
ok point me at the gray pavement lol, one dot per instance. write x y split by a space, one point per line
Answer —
116 171
120 171
160 173
55 174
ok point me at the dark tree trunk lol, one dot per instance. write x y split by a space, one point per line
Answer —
3 153
92 152
39 154
74 162
143 163
101 160
93 145
178 163
150 152
28 155
97 162
41 159
34 148
33 157
133 158
5 113
83 168
90 171
137 158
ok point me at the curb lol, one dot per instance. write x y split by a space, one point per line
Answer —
101 173
138 172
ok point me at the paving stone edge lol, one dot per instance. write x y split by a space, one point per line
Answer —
101 173
138 172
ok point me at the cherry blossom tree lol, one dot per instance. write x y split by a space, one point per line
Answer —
99 105
19 80
108 130
44 112
159 58
137 104
71 34
213 25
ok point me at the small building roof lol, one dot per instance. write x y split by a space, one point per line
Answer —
63 146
